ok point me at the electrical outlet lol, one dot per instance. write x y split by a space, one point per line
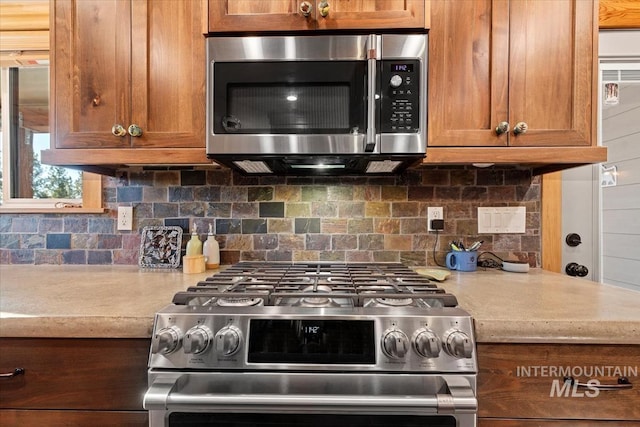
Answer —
434 213
125 217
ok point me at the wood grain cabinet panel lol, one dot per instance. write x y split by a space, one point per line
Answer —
73 381
512 61
285 15
48 418
128 62
520 382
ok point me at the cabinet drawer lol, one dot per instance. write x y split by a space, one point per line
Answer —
526 381
492 422
49 418
97 374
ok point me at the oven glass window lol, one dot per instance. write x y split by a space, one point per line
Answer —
177 419
290 97
311 341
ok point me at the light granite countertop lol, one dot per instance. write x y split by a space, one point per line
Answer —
120 302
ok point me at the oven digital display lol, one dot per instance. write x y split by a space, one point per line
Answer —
311 341
402 68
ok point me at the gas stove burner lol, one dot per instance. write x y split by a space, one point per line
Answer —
317 300
239 302
391 302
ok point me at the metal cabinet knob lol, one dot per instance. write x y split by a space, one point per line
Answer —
323 8
306 8
503 127
520 127
118 130
134 130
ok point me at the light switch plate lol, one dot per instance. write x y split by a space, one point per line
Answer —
502 220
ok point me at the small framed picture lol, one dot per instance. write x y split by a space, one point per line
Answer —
160 247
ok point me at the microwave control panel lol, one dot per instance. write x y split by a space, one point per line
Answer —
400 100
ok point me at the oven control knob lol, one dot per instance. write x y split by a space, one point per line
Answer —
395 344
395 81
227 341
426 343
458 344
166 340
197 339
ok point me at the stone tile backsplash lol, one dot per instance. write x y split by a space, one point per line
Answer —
345 219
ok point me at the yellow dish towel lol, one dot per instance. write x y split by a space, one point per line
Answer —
434 273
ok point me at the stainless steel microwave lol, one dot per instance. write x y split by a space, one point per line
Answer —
317 104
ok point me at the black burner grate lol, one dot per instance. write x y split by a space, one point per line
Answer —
311 284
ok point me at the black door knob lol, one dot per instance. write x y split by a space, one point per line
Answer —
573 239
575 269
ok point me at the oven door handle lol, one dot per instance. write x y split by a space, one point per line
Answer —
373 53
162 395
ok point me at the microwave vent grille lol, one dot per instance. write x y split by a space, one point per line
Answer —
250 166
385 166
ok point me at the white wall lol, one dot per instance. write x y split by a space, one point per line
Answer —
608 219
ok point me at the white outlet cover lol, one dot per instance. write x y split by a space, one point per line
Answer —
434 213
125 217
502 220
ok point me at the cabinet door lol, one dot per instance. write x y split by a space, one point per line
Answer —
468 72
494 61
90 72
367 14
82 374
527 381
551 75
168 74
259 15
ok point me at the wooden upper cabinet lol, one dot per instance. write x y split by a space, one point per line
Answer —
286 15
512 61
136 62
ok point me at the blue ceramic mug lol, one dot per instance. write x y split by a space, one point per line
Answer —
462 260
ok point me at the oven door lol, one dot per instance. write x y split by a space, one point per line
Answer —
310 399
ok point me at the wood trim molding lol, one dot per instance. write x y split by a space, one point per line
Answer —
131 157
24 15
618 14
427 14
515 155
551 222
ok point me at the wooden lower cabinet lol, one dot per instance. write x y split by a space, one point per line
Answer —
73 381
48 418
523 385
484 422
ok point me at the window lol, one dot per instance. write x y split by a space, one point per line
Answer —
27 184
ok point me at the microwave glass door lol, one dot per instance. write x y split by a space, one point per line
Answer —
309 97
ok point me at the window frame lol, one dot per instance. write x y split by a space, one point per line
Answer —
91 201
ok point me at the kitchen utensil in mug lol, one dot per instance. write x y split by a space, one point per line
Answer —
462 260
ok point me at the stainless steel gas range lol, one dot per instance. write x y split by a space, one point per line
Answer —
313 344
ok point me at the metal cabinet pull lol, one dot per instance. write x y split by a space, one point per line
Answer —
623 383
503 127
118 130
15 373
134 130
306 8
520 127
323 8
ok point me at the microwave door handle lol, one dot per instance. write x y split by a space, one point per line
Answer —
370 141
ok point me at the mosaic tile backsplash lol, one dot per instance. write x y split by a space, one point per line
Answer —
345 219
